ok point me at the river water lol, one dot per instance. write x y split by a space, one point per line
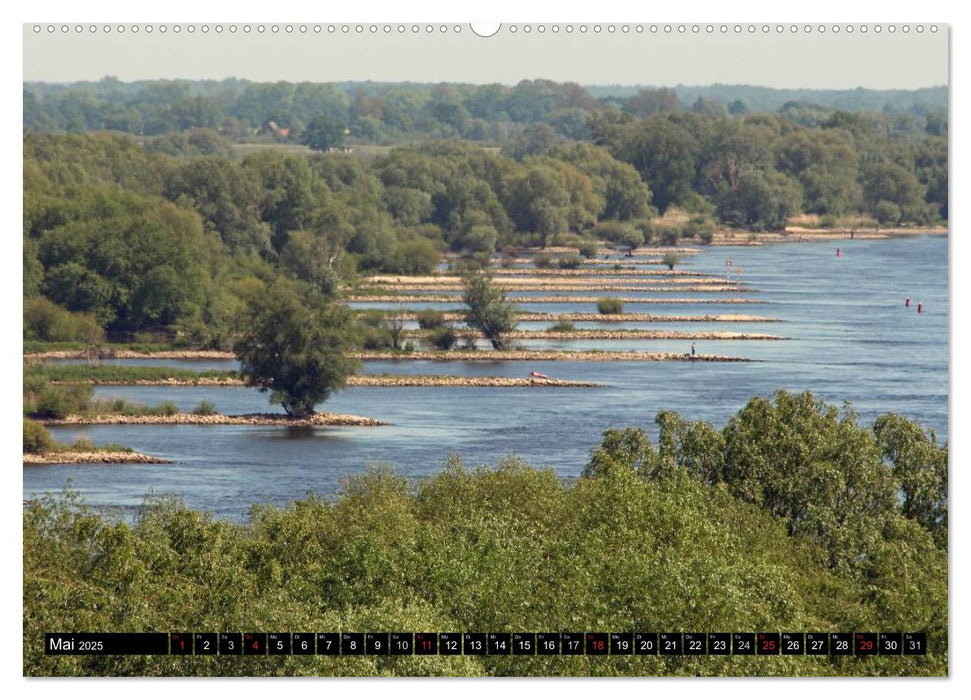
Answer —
848 336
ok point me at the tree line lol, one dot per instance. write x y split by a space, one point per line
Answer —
163 235
389 112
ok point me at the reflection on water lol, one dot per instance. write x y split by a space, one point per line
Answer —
850 337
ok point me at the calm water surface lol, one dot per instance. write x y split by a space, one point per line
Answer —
848 337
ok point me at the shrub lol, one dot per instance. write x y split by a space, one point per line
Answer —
561 327
205 408
619 233
36 438
430 318
543 260
569 261
670 236
647 229
166 408
409 347
887 213
588 249
707 237
45 320
610 305
670 259
469 341
56 402
83 445
444 338
373 331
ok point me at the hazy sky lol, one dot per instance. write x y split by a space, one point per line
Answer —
881 60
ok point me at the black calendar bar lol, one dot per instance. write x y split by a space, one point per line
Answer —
529 644
105 643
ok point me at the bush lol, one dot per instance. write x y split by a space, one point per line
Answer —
430 318
670 259
561 327
570 261
44 320
619 233
61 401
610 305
887 213
671 235
373 331
647 229
588 249
543 260
707 237
36 438
444 338
205 408
469 341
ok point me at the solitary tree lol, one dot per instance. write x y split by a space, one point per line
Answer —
295 347
323 132
670 259
489 310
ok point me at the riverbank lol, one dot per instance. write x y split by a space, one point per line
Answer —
531 280
614 286
543 356
613 318
365 380
622 334
438 298
799 234
95 457
216 419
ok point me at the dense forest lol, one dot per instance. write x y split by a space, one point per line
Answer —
172 226
793 517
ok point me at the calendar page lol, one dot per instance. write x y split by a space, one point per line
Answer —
511 349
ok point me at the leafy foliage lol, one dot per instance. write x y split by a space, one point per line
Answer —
295 346
489 311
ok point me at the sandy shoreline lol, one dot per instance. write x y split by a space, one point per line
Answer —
613 287
798 234
666 275
622 334
544 356
618 318
407 380
96 457
436 298
614 279
193 419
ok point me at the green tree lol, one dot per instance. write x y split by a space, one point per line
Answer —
817 470
323 132
295 346
920 467
489 310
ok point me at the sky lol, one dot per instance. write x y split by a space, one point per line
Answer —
652 56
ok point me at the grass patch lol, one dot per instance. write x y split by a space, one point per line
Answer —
38 440
120 374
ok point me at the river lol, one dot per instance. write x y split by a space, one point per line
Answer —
848 336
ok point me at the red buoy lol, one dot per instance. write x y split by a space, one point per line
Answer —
907 302
838 252
920 307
